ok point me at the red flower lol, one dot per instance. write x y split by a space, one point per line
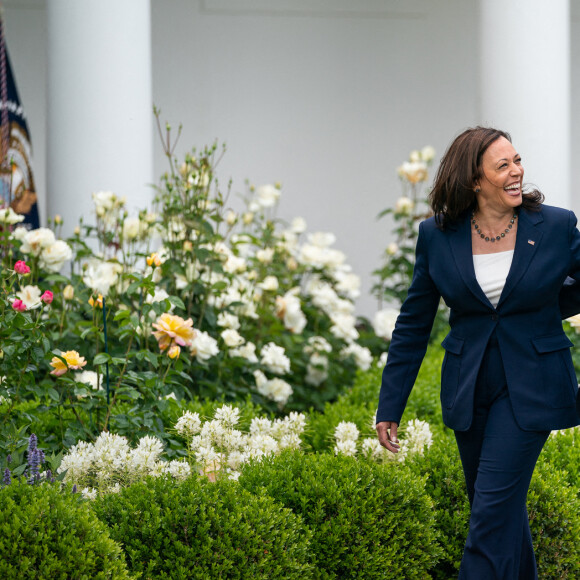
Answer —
19 305
21 268
47 297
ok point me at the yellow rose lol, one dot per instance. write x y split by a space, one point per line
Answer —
73 361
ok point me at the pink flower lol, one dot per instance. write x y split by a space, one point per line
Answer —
47 297
19 305
21 268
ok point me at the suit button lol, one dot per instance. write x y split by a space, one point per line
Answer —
494 317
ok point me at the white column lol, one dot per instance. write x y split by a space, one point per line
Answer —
525 86
100 121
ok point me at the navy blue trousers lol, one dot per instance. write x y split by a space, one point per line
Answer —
498 461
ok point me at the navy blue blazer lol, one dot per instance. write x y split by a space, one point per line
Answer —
536 352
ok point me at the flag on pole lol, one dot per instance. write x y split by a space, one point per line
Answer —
16 179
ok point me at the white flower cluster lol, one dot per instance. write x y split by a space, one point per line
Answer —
317 368
384 322
101 275
220 448
417 436
9 217
108 206
346 435
274 389
288 309
42 244
109 462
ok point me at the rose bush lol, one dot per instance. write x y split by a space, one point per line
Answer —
186 299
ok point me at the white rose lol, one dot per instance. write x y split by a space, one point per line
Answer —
19 233
265 255
228 320
317 344
384 322
10 217
30 295
322 239
203 346
288 309
348 283
232 337
317 369
362 355
323 296
231 217
428 154
131 228
100 276
235 264
344 327
298 225
88 378
36 240
277 390
392 249
414 171
274 359
247 351
104 201
414 156
267 195
54 256
270 283
404 206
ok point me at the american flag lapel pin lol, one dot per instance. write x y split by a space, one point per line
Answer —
531 242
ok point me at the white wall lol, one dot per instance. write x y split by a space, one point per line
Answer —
327 102
326 96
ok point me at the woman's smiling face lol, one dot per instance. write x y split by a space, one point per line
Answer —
501 178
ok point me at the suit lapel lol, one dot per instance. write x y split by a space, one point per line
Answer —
460 242
528 239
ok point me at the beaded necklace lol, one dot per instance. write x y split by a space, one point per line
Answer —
492 238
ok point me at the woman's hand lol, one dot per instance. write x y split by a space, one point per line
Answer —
387 432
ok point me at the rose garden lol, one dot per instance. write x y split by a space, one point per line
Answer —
188 393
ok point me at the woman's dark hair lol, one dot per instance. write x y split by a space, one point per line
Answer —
460 168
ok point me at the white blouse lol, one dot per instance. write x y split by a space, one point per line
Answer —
491 271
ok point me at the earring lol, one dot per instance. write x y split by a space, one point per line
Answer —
477 190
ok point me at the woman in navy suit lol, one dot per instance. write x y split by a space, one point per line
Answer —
506 266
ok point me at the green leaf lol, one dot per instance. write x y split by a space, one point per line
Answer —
101 358
177 302
53 394
120 314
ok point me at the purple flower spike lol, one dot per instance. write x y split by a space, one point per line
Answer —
35 459
9 459
7 479
32 443
74 489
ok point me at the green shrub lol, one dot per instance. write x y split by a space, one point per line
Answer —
200 529
554 511
368 521
562 450
49 533
446 486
